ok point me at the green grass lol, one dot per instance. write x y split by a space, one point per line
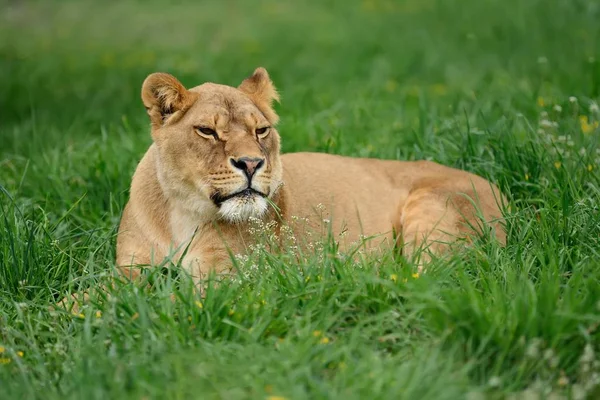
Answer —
483 85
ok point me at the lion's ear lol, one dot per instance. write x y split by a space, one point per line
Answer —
163 95
262 92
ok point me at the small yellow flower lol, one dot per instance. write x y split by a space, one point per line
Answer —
586 126
557 164
324 340
108 59
415 275
98 314
307 279
394 277
391 85
276 398
80 315
263 302
231 312
20 353
135 316
317 333
4 360
439 89
541 102
526 177
199 305
563 380
590 167
2 349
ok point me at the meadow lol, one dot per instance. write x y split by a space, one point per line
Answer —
508 89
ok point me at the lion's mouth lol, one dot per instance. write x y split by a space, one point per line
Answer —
218 199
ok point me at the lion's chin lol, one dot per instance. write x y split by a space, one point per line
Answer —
241 209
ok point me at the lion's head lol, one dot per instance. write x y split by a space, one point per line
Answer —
217 146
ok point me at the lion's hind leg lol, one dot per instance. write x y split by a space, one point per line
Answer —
427 226
432 220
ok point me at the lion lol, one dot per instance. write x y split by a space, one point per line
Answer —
215 166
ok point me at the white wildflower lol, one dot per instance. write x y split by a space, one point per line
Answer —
533 349
588 354
495 381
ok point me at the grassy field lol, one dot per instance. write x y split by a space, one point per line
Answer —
505 88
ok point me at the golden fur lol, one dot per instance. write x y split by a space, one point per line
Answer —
214 141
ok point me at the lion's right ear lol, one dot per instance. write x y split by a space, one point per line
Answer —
163 96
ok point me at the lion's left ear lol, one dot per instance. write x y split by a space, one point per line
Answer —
262 92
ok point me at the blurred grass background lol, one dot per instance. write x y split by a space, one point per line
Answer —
505 89
369 78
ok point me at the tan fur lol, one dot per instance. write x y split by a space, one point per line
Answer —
183 173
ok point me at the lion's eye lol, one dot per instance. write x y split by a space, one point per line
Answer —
204 131
262 131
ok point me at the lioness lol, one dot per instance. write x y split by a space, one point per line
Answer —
215 164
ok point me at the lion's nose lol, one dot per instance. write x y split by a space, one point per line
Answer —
248 165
